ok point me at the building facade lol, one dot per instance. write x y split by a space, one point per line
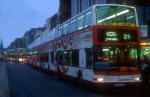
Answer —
144 21
17 43
64 10
1 46
31 35
78 6
28 38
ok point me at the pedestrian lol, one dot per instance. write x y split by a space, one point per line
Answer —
145 71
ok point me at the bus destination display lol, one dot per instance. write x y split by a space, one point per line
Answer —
117 36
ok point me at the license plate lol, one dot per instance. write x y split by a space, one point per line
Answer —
119 85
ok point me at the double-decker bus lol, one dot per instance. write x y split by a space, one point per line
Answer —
100 45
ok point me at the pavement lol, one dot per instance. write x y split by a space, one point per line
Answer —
4 87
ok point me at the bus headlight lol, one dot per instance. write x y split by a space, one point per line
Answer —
20 59
137 79
100 79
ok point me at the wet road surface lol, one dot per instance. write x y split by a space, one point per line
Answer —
25 81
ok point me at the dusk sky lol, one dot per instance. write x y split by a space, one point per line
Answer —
18 16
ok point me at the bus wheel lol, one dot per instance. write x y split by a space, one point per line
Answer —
80 79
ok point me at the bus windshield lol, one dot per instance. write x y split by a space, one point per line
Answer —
115 15
109 57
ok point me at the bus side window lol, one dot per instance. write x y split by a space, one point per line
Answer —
69 27
75 57
80 22
59 57
65 29
88 18
72 26
65 58
44 57
70 57
59 34
89 57
52 57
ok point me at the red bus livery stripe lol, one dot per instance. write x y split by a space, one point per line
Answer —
116 73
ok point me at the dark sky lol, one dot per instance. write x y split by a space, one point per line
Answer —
18 16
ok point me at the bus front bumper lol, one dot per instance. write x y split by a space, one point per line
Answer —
117 84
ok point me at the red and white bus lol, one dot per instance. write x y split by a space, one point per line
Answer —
100 45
